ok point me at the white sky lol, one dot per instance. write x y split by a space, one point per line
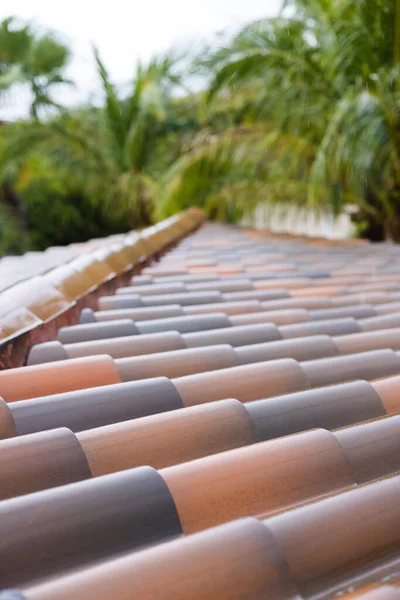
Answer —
125 31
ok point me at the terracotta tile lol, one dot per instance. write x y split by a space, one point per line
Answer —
7 425
182 299
39 461
121 301
235 336
185 324
69 526
96 331
389 392
234 561
265 477
282 324
120 347
224 286
329 407
94 407
177 363
140 314
228 308
261 295
327 543
287 284
155 289
343 326
170 438
318 291
370 340
52 378
307 349
279 317
373 448
366 365
381 322
358 311
245 383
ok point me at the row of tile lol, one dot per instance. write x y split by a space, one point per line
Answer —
58 456
322 549
243 344
245 382
114 444
34 289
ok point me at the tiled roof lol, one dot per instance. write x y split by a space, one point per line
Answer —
201 411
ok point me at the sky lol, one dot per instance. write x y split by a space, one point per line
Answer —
125 31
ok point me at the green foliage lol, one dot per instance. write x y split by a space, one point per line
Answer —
14 45
11 241
31 58
62 216
301 109
325 76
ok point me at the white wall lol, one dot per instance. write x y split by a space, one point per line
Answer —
286 218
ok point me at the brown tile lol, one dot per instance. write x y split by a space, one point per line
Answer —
52 378
128 346
54 530
182 299
46 352
358 311
388 308
155 289
7 425
298 348
235 336
329 407
330 542
185 324
95 407
140 314
228 308
279 317
389 392
370 340
245 383
235 561
261 295
380 322
318 291
224 286
96 331
167 439
342 326
308 302
265 477
36 462
366 365
177 363
287 284
373 448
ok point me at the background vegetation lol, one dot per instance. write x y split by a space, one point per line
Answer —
302 109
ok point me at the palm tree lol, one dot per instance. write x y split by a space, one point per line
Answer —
33 59
14 44
111 149
324 75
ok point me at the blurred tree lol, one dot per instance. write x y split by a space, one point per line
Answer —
15 41
325 77
31 58
113 148
300 109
